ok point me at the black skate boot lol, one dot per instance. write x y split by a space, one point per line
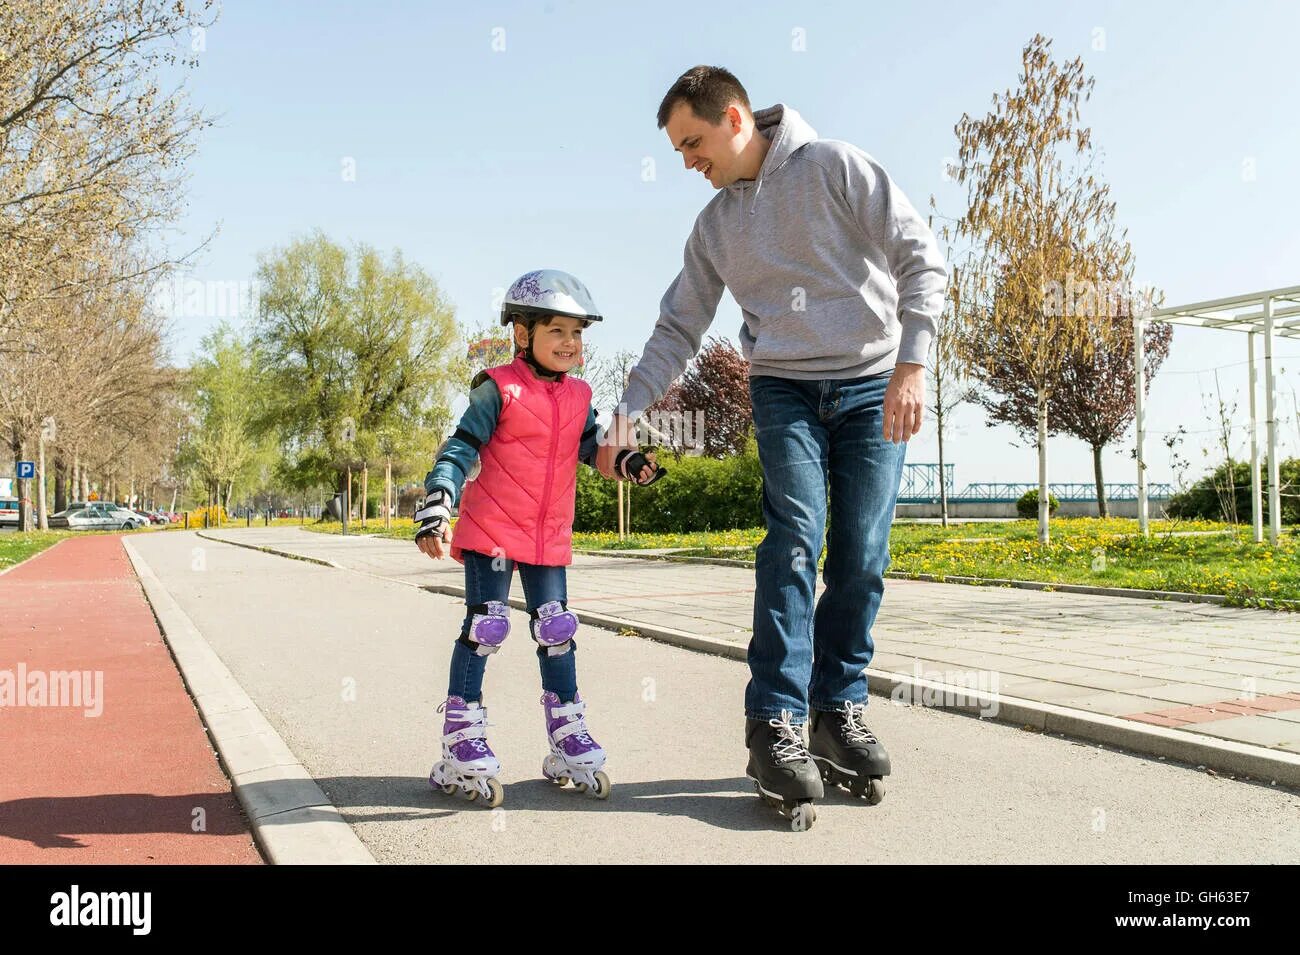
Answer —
782 770
847 753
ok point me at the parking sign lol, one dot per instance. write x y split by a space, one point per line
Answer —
27 469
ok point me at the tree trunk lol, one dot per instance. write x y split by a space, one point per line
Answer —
938 423
621 529
24 521
365 491
1044 502
345 511
60 484
1101 486
42 514
388 493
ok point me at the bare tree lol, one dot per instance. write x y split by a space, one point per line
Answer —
91 145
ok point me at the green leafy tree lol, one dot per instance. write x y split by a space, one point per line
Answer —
352 345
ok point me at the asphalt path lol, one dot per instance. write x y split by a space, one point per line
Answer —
350 670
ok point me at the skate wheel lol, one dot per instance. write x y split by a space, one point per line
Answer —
802 817
875 791
496 795
470 794
448 788
581 787
602 787
551 770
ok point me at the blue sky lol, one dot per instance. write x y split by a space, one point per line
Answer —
482 162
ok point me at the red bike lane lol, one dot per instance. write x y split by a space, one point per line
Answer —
103 757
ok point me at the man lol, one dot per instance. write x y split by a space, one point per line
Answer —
840 283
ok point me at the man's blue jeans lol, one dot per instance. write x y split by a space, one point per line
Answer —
488 578
811 434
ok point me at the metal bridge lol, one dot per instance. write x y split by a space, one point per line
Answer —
920 485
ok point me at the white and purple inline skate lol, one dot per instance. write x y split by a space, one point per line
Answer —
468 763
575 757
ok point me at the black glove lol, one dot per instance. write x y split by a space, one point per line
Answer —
433 513
628 463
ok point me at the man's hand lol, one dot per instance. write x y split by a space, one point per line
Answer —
616 439
904 402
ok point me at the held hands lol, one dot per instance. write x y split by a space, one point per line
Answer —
433 515
635 466
904 402
619 458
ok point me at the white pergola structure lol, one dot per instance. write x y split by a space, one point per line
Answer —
1270 314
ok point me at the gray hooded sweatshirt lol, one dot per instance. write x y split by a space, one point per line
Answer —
836 274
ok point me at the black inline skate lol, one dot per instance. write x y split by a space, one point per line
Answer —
847 753
782 769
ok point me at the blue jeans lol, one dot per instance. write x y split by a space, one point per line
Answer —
811 433
484 582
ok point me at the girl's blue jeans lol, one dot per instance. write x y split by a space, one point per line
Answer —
488 578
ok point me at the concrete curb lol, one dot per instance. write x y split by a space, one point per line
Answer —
269 550
1223 756
293 821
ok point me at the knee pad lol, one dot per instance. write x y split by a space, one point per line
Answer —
488 627
553 627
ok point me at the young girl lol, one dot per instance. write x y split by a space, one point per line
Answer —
528 424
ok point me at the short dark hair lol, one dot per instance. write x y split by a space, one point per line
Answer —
708 89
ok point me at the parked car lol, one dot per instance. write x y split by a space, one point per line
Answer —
86 517
98 515
9 510
131 519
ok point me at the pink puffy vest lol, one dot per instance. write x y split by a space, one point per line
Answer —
521 504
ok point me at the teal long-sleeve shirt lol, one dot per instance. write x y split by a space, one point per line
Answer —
476 425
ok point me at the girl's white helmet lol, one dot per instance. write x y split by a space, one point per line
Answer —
548 292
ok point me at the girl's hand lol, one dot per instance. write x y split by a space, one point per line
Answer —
648 473
433 517
433 544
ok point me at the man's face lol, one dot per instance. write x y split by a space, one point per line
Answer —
711 150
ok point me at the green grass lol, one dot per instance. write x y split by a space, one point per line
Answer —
16 548
403 528
1227 563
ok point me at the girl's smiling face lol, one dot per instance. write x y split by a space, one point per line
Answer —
557 345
